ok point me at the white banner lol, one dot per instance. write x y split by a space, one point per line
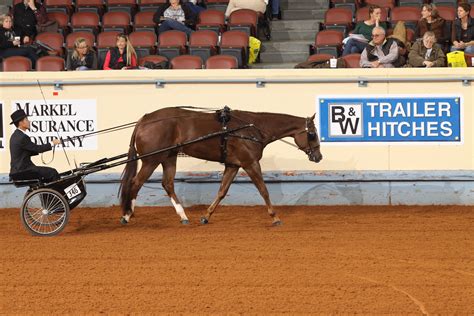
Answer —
2 128
66 118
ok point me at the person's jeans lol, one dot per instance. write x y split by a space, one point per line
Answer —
468 50
174 25
27 52
275 7
353 47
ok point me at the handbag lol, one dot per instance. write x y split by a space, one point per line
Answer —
456 59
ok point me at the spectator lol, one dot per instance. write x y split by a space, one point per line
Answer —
121 57
10 42
431 21
255 5
27 16
174 15
197 6
426 53
364 28
82 57
380 52
275 9
463 30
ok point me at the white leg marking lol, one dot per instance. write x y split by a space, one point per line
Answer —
179 209
133 205
126 217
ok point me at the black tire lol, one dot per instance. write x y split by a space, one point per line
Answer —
44 212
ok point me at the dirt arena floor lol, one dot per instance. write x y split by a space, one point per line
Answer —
365 260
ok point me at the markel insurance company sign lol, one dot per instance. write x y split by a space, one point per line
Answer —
375 119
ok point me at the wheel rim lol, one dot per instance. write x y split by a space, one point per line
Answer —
45 213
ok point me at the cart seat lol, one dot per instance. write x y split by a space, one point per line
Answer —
25 178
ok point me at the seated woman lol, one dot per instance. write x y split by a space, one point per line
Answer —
121 57
463 30
174 15
82 57
10 42
364 28
431 21
255 5
426 53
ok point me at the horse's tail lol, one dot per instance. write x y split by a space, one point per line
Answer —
130 171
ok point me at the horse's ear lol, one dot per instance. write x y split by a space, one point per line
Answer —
312 117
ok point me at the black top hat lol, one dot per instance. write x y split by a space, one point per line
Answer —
17 116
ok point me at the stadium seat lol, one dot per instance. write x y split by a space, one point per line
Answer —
151 58
213 20
128 6
445 3
85 21
50 63
96 6
16 63
320 57
222 62
144 21
472 11
64 6
362 14
382 3
71 38
150 5
447 13
203 44
116 21
468 58
339 19
410 3
54 40
352 60
186 62
219 5
144 43
235 43
62 19
346 5
244 20
105 40
410 15
171 44
328 42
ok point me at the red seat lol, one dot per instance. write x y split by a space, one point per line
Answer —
71 38
105 40
54 40
362 14
62 19
50 63
447 13
151 58
96 6
468 58
150 5
203 44
211 20
409 15
339 19
472 12
383 3
144 21
116 21
64 6
144 42
320 57
16 63
244 20
127 6
222 62
171 44
186 62
235 43
85 21
352 60
328 42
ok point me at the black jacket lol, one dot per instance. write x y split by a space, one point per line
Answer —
90 61
457 30
5 38
21 150
189 15
25 20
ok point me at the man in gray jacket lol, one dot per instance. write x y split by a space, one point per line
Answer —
426 53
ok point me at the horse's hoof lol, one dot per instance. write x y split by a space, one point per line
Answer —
277 223
123 221
204 220
185 221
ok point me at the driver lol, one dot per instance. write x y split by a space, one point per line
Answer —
21 150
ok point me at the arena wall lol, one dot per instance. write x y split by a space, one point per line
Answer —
411 172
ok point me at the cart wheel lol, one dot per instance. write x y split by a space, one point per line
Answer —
44 212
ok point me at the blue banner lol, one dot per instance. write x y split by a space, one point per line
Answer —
390 119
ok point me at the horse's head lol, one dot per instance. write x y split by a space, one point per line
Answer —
308 140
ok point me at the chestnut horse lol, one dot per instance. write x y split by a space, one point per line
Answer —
243 148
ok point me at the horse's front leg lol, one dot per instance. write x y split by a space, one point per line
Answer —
227 178
255 173
169 172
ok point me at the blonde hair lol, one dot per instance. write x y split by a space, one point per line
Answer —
130 50
3 17
78 42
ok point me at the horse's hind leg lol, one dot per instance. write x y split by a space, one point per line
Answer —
169 172
227 178
148 166
255 173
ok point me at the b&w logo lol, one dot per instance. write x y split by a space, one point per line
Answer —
345 120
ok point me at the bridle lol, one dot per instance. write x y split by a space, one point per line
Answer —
311 136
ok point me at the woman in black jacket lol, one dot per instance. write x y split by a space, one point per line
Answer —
174 15
10 42
463 30
82 57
